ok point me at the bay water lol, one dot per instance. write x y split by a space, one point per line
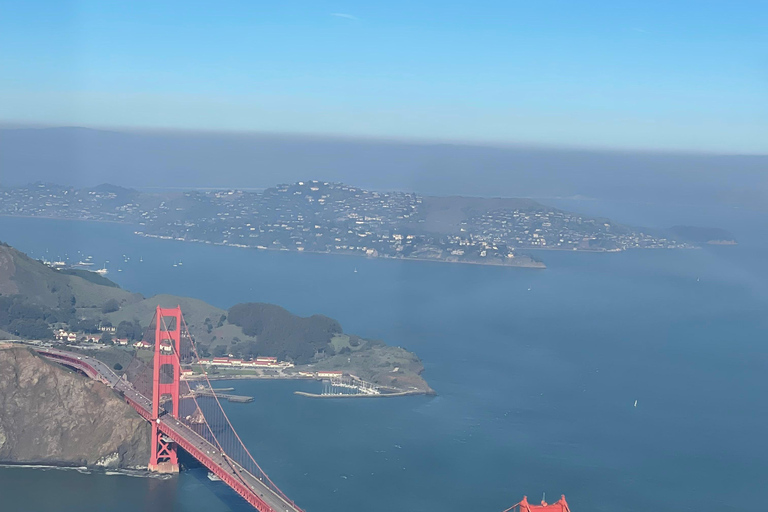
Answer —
537 373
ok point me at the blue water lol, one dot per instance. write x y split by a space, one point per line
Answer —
536 387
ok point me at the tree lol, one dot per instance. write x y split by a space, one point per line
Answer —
118 367
110 306
106 338
86 325
129 329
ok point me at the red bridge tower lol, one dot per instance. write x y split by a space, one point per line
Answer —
166 374
559 506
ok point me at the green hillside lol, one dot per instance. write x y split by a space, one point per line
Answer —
283 334
40 284
35 297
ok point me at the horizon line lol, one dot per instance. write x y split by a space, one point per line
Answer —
380 139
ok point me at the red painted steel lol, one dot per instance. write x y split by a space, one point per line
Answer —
244 491
163 455
238 486
86 368
559 506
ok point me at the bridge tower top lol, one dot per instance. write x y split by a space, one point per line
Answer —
523 506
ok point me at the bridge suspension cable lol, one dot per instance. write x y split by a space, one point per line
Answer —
199 409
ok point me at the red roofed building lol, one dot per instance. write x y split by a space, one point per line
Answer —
559 506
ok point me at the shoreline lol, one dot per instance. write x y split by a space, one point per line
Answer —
402 392
86 470
381 395
534 264
51 217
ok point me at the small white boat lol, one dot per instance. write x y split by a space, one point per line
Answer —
213 478
635 403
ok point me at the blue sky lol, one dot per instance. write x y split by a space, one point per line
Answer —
689 75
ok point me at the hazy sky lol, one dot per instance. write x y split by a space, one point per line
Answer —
613 74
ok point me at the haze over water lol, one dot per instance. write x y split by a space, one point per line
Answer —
537 373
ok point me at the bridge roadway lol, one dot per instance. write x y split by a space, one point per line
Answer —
247 485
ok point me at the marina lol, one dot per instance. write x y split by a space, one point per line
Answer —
351 386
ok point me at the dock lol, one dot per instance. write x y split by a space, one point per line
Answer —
238 399
361 395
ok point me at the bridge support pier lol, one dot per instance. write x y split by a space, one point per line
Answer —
166 376
163 457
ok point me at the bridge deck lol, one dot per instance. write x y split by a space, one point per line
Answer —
247 485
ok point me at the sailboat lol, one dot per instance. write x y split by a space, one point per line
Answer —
355 271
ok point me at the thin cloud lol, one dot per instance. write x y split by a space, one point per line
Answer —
345 16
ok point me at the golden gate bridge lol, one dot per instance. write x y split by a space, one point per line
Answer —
194 422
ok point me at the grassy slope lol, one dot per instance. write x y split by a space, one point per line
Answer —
195 312
43 285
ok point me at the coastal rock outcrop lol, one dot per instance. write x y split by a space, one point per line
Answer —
51 415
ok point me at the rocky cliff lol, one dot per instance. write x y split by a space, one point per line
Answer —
49 415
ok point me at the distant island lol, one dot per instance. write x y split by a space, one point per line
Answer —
324 217
86 312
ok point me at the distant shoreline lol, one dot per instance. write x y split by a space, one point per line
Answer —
51 217
214 377
534 264
381 395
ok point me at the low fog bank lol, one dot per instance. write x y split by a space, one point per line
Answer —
86 157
